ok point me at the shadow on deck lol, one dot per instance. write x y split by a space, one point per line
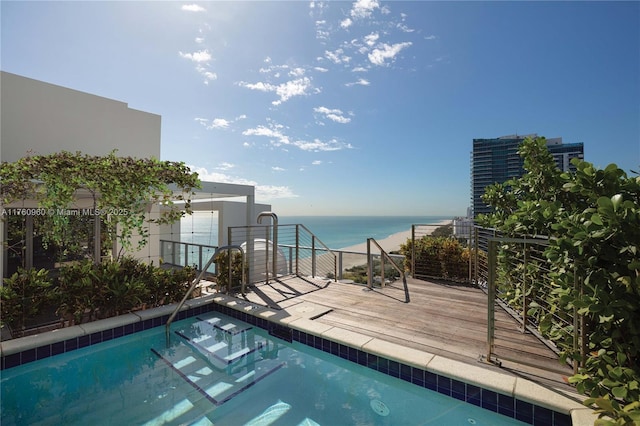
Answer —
446 319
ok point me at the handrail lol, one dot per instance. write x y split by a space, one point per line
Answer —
383 255
195 283
274 220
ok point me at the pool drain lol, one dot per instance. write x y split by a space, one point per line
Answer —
379 407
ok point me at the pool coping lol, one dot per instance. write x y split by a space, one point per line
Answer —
307 331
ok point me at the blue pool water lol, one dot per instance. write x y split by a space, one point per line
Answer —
218 370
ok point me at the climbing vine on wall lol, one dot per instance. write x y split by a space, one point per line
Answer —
121 191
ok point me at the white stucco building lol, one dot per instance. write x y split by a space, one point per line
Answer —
39 118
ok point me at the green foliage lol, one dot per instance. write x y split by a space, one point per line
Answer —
438 257
121 190
222 268
593 219
23 296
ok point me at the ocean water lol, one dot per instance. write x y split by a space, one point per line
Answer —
334 231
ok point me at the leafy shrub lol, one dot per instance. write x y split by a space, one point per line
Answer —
437 257
23 296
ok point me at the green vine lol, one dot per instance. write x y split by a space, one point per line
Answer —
121 191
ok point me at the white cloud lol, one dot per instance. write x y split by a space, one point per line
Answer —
346 23
333 114
359 69
277 169
193 8
297 72
263 192
320 69
316 163
379 55
199 40
371 39
225 166
430 37
285 91
360 82
200 56
364 8
220 123
278 139
337 56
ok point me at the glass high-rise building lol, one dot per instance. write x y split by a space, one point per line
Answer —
496 161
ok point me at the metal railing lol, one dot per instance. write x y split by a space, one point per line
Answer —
518 278
197 280
181 254
383 256
298 252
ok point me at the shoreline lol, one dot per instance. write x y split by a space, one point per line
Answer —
393 241
356 255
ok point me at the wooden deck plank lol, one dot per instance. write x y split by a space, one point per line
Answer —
441 318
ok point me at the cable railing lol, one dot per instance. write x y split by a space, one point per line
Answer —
298 252
384 256
181 254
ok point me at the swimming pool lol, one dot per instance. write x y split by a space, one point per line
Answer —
219 370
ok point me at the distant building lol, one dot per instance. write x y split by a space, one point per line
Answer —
496 161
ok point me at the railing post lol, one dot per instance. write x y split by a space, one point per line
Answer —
413 251
339 266
313 256
369 265
491 299
200 265
524 290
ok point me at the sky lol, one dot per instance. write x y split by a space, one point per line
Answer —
346 108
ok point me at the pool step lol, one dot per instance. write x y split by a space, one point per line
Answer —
220 358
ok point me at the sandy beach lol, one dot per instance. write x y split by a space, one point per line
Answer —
392 242
356 255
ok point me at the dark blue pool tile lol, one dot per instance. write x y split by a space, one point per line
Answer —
12 360
506 405
561 419
372 361
343 351
458 390
43 352
326 345
128 329
405 372
57 348
524 411
489 400
394 369
444 385
84 341
334 348
138 326
95 338
28 356
383 365
417 376
352 354
71 344
473 395
542 416
107 335
431 380
362 358
118 332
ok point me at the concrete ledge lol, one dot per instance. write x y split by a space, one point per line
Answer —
583 417
545 397
346 337
309 326
474 375
107 323
10 347
393 351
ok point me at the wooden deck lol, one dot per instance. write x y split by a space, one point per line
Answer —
441 318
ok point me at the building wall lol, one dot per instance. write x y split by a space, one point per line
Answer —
497 160
42 118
